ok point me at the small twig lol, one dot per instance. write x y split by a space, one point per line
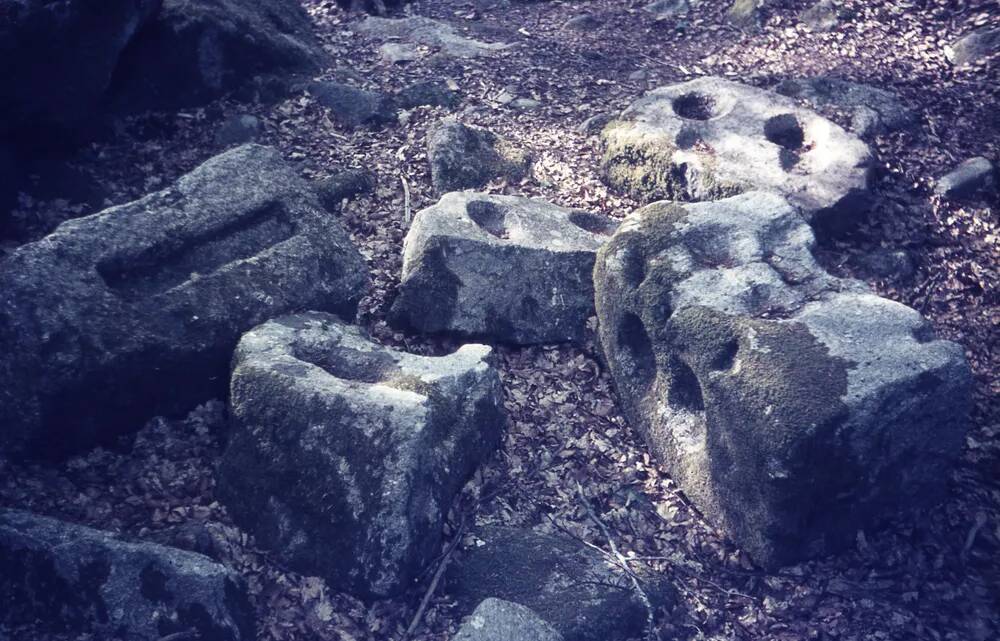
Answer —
622 561
406 200
184 635
970 539
429 594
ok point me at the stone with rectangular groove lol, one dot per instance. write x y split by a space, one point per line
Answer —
134 311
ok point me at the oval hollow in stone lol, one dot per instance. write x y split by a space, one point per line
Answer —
695 106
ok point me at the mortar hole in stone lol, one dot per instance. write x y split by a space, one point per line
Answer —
726 356
695 106
181 258
593 223
685 390
636 350
490 216
785 131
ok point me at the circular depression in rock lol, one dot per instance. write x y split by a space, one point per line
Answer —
695 106
489 216
785 131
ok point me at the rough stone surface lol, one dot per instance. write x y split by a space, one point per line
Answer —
824 15
398 52
583 22
976 46
83 580
499 620
357 450
793 408
890 114
710 138
197 50
662 9
748 13
352 106
429 93
464 157
334 190
972 176
572 587
57 59
595 124
429 32
134 311
886 264
509 268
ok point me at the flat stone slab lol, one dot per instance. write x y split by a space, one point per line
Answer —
80 580
429 32
569 585
971 176
509 268
357 450
464 157
794 408
134 311
711 138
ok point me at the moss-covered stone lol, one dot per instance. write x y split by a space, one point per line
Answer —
356 450
793 408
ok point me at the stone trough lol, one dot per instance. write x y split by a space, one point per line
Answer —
134 311
356 450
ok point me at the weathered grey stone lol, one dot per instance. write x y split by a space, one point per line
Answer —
429 32
793 408
85 580
57 59
398 52
663 9
595 124
344 185
499 620
824 15
357 450
892 114
525 104
748 13
352 106
464 157
574 588
134 311
711 138
238 130
974 47
509 268
432 93
583 22
197 50
973 175
886 264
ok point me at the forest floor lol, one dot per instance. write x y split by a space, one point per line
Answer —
935 575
